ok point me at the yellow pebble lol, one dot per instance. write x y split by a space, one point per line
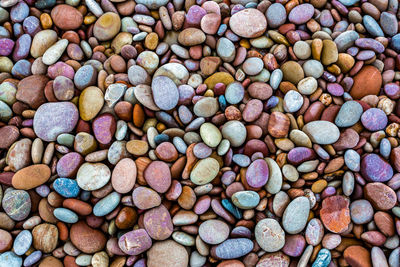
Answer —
209 92
334 69
279 38
151 41
90 19
245 43
45 21
319 186
161 127
154 14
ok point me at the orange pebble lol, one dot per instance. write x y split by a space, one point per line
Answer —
63 231
45 21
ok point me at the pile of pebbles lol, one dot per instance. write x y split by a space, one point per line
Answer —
199 133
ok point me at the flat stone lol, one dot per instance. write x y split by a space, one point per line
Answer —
349 114
248 23
322 132
375 169
295 217
269 235
31 177
53 119
214 231
335 213
135 242
92 176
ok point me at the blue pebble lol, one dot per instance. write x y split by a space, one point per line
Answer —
323 258
65 215
18 30
372 26
348 2
232 208
241 160
385 148
160 138
66 187
85 195
21 69
222 102
272 102
107 204
33 258
396 42
222 29
43 4
9 259
22 242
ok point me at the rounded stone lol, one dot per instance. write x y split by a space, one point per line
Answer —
158 176
235 132
248 23
349 114
168 254
45 237
165 92
124 176
53 119
374 119
214 231
92 176
368 81
31 176
66 17
204 171
257 173
17 204
135 242
375 169
87 239
157 222
295 215
276 15
335 213
301 13
361 211
322 132
107 26
269 235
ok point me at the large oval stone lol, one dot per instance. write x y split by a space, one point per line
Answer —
158 223
248 23
322 132
296 214
165 92
375 169
204 171
92 176
52 119
257 173
368 81
335 213
31 176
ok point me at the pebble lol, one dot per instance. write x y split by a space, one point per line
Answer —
46 122
17 204
269 235
301 14
349 114
92 176
335 214
204 171
245 199
375 169
248 23
295 215
214 232
232 248
135 242
167 253
374 119
276 15
322 132
361 211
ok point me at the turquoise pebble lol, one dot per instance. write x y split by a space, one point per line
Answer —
22 242
245 199
323 258
231 208
107 204
8 259
65 215
66 187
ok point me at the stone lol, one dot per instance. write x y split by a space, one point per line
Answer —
157 222
357 256
31 177
31 90
204 171
361 211
335 213
53 119
301 13
135 242
66 17
248 23
92 176
167 253
322 132
17 204
349 114
45 237
165 92
269 235
374 119
381 196
232 248
213 231
295 215
107 26
375 169
368 81
87 239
